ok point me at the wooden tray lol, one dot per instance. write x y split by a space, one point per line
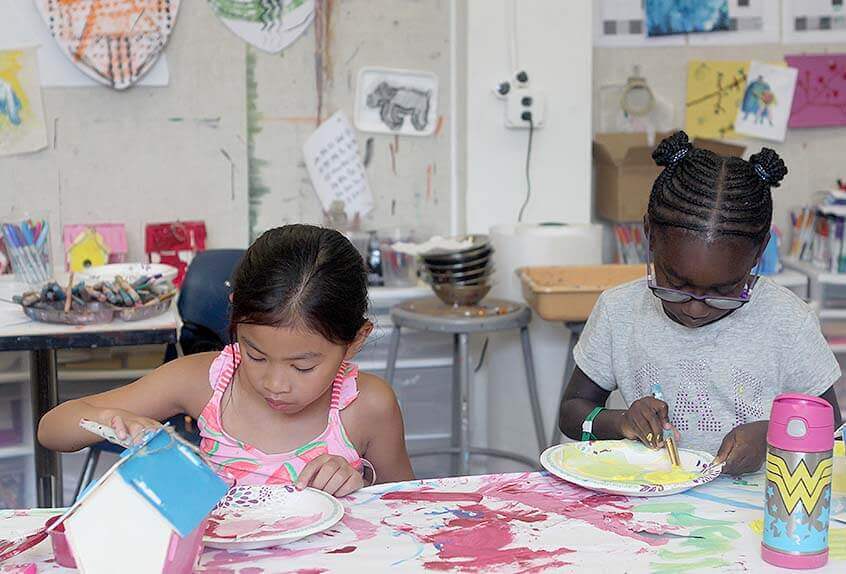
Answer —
569 293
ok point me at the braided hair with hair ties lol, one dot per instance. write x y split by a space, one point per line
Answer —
713 195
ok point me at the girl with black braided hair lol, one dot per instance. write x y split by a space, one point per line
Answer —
720 342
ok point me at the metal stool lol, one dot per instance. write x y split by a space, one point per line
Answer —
431 314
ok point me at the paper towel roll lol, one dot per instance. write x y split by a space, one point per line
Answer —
510 424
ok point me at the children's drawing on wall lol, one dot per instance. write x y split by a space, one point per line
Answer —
820 96
766 103
667 17
714 93
21 112
115 42
269 25
396 101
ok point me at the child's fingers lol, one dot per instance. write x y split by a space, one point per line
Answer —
337 481
309 471
325 474
663 413
120 428
726 449
351 485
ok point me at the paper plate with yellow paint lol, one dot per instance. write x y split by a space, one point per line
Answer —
628 467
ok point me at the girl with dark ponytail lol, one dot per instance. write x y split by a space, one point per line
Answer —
718 341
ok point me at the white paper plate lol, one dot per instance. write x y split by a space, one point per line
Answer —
252 517
129 271
628 467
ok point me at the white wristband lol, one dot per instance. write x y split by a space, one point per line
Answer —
365 464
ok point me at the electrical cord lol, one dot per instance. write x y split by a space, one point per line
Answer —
528 173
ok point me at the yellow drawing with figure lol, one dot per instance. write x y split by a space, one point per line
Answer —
714 94
21 112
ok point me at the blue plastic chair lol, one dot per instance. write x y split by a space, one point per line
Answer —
204 309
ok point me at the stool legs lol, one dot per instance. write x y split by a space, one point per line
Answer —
462 361
393 351
531 383
455 437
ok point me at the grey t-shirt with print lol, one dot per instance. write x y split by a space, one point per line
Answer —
715 377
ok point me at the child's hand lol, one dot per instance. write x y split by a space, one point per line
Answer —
127 425
331 474
744 449
645 421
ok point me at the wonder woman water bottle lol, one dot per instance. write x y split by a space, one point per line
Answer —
800 438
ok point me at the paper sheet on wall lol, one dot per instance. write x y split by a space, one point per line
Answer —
21 25
336 171
22 127
623 23
820 96
811 21
750 22
767 101
714 92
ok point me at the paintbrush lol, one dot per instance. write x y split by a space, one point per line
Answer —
669 437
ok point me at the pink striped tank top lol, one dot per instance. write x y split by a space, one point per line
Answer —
244 464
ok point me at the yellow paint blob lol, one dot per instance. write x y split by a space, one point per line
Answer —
613 465
757 526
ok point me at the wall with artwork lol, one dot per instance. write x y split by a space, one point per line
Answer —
703 82
215 128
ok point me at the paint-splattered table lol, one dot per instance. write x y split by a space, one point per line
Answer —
516 523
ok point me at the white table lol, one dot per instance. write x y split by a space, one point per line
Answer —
19 333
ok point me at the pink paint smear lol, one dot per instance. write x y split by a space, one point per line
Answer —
478 538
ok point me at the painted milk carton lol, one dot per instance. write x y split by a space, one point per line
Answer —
147 514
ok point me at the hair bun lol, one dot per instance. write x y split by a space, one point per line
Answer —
672 149
769 166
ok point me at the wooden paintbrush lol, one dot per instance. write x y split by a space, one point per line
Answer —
669 437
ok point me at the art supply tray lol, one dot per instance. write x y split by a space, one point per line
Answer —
92 314
568 293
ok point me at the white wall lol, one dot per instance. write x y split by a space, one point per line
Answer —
814 157
554 47
147 154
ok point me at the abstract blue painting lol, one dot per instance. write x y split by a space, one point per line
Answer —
667 17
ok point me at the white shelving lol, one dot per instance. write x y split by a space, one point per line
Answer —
15 451
820 282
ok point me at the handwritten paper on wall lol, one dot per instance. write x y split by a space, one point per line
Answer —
331 156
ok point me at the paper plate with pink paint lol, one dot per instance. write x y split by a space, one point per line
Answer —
251 516
628 467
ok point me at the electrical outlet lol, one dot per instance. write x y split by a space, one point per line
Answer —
521 100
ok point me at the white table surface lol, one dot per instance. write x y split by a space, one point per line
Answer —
14 323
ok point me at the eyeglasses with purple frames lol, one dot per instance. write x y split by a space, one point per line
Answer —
676 296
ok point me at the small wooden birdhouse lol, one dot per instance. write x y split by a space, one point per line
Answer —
89 245
147 514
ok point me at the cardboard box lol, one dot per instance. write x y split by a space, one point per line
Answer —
625 172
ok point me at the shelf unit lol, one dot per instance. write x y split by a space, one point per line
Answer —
820 283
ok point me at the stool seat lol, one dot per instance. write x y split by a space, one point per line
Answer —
431 314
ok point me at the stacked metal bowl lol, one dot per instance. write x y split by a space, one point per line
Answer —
460 277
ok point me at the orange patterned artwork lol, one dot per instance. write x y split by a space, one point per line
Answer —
113 41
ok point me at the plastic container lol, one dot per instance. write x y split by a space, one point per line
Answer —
568 293
797 497
27 243
398 269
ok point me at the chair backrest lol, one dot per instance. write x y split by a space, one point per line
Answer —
204 295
